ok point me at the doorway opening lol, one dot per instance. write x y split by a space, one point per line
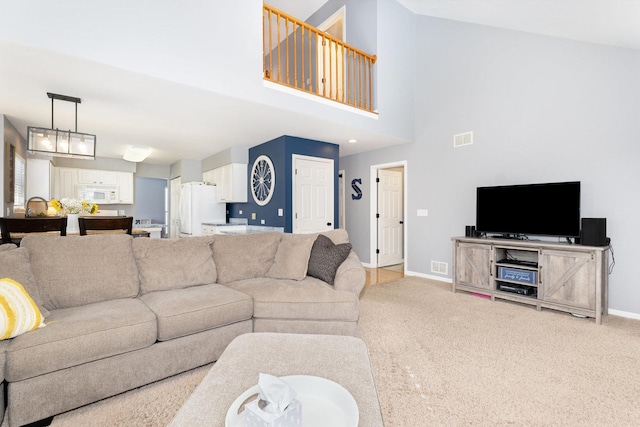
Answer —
330 56
388 206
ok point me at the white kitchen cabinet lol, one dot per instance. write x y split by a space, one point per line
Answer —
210 176
93 176
66 181
232 183
125 187
209 229
39 178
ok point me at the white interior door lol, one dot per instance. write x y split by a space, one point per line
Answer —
174 217
391 217
313 193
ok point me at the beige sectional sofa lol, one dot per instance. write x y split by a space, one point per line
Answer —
123 312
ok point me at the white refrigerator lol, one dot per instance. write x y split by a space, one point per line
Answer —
198 205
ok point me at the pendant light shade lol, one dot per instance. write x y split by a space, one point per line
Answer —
61 143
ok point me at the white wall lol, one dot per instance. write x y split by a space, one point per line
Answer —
542 109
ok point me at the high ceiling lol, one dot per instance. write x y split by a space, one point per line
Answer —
608 22
179 121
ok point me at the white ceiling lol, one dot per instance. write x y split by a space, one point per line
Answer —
608 22
124 108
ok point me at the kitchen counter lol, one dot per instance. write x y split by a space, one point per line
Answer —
209 229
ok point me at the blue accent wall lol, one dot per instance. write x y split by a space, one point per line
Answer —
281 151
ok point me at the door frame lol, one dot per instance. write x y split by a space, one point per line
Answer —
342 190
373 209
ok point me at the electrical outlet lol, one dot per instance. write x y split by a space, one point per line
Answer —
253 215
262 222
423 212
240 211
280 212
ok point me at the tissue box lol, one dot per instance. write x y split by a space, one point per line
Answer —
256 417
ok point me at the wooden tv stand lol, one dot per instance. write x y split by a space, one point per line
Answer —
560 276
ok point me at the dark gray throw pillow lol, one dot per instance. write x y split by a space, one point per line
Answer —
326 257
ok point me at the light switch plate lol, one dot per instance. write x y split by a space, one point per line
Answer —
253 215
423 212
280 211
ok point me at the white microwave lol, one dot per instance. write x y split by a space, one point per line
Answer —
104 194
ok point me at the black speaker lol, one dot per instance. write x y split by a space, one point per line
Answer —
470 231
594 232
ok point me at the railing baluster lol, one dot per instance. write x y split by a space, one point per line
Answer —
370 103
270 43
295 56
302 70
310 34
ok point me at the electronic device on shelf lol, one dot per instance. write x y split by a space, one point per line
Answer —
551 209
517 289
518 262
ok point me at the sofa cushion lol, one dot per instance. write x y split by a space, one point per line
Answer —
187 311
78 335
292 257
247 256
337 235
18 312
308 299
166 264
73 271
16 265
326 257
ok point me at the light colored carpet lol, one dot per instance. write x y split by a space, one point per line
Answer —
441 358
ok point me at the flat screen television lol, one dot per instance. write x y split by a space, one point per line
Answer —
551 209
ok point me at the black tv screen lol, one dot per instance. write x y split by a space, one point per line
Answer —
551 209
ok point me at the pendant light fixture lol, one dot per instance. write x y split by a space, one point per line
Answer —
61 143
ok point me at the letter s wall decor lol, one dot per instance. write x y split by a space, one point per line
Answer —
354 185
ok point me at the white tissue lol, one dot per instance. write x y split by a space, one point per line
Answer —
275 392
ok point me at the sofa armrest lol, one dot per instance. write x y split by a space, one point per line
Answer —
350 276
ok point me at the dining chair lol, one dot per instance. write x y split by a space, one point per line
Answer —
10 225
104 223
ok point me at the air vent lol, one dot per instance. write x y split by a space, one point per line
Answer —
462 139
439 267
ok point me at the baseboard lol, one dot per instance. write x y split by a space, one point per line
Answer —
428 276
626 314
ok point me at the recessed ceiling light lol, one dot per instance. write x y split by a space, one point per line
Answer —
353 141
136 153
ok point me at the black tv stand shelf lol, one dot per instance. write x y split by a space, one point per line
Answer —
560 276
519 263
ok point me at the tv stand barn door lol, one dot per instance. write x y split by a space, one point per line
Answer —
475 265
568 279
560 276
